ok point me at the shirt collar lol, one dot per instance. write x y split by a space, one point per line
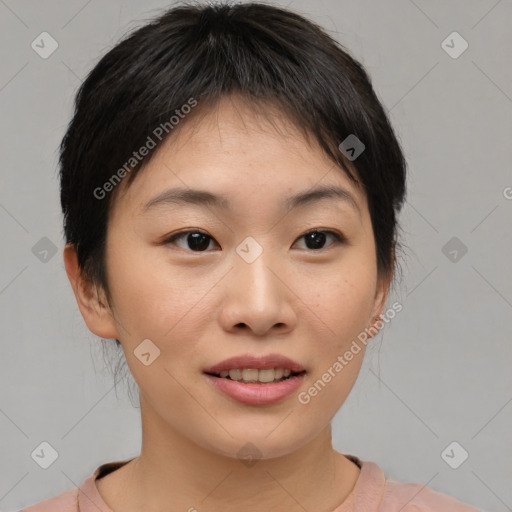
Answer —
366 496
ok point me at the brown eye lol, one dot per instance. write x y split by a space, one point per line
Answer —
315 239
195 240
199 241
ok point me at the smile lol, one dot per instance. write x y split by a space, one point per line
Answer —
257 392
254 375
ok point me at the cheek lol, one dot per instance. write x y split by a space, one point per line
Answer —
344 304
155 303
333 379
151 299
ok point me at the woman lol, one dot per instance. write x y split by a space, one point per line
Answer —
230 185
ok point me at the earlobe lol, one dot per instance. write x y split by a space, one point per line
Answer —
95 311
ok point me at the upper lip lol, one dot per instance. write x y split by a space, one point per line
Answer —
257 362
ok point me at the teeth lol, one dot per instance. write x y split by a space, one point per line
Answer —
255 375
267 375
235 374
250 375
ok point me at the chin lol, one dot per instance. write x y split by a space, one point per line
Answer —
269 443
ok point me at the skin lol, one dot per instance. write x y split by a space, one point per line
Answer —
202 307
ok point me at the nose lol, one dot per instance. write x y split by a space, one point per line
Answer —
258 297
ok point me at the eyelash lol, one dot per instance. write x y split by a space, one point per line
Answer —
339 238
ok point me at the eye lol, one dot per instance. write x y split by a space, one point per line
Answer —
315 239
198 241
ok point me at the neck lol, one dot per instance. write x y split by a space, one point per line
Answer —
174 473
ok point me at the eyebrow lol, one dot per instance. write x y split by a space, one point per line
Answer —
205 198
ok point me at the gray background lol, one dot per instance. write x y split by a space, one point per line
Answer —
439 372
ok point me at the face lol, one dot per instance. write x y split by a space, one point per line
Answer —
247 275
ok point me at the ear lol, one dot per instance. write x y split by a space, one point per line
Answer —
381 296
95 310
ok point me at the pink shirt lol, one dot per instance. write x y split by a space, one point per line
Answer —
372 493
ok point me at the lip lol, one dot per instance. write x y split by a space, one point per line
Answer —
254 393
256 362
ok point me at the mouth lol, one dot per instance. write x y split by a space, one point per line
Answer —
257 380
256 387
257 376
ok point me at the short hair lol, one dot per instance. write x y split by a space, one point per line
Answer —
270 56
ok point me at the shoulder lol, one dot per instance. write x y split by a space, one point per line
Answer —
412 497
65 502
375 492
87 494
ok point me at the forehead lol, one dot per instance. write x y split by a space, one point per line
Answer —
234 149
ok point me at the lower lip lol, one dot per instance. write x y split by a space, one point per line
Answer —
257 394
